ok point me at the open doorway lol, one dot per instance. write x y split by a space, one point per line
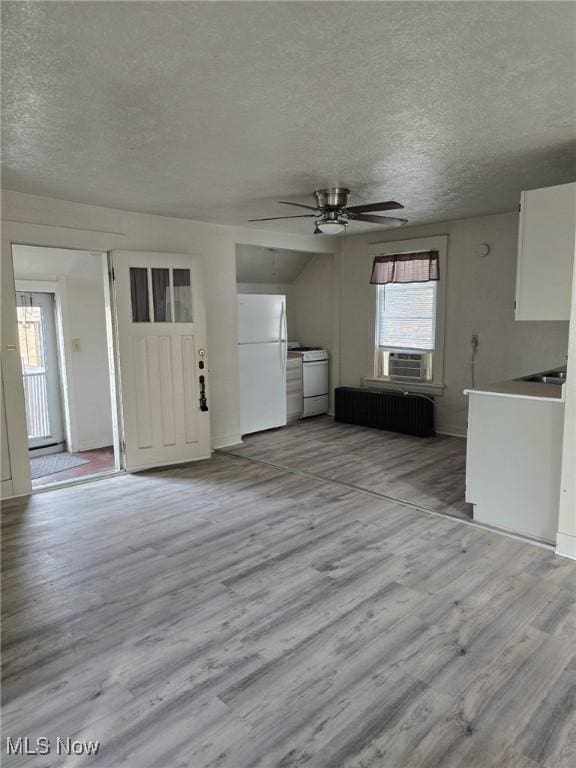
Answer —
67 367
285 334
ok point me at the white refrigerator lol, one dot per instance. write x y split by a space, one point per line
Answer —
262 351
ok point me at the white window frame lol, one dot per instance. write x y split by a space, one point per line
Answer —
436 243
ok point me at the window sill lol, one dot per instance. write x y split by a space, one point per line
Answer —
428 387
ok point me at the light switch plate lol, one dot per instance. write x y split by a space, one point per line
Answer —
76 347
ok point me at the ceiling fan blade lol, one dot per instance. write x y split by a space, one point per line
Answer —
390 221
299 205
388 206
300 216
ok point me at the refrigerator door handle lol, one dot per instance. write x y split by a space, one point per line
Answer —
283 338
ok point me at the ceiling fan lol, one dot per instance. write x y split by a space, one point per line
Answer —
333 215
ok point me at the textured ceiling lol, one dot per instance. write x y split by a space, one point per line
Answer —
255 264
215 110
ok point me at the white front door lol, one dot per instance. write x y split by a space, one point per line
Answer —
163 362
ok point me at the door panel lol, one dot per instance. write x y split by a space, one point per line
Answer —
162 353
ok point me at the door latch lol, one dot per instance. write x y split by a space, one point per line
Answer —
203 401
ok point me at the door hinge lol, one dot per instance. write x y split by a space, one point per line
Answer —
112 274
123 446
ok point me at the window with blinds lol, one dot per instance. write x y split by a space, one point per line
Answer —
406 316
405 331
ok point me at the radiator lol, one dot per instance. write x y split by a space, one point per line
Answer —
409 414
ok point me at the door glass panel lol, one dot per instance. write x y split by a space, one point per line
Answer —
161 295
139 295
182 296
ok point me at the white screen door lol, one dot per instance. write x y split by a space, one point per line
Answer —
162 358
40 373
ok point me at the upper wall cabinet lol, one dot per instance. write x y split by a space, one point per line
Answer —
546 253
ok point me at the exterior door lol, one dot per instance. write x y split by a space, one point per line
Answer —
163 363
40 372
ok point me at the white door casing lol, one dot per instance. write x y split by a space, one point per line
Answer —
161 334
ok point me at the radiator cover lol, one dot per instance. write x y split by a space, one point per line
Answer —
408 414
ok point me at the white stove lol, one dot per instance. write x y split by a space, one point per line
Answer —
315 379
311 354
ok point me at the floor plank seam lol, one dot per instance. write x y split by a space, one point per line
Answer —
376 494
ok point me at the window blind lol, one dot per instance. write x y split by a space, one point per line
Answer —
406 316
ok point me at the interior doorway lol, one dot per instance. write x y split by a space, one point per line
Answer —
64 332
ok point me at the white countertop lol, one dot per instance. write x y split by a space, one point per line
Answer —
533 390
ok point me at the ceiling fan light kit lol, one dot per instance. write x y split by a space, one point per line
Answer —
331 227
333 214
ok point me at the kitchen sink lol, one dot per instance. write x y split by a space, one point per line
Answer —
551 377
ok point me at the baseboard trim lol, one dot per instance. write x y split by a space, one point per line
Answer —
226 441
566 545
6 490
451 433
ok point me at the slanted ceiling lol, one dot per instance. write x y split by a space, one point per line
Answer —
271 266
216 110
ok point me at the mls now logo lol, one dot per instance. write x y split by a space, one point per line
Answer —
22 745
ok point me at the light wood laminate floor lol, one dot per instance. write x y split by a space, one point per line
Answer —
229 614
427 472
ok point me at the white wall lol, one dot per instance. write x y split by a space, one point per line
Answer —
480 299
87 371
50 222
313 303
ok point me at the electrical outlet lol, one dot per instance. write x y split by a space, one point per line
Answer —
474 340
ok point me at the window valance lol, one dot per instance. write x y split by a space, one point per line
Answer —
420 267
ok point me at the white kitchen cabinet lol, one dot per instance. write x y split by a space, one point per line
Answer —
514 454
294 388
546 253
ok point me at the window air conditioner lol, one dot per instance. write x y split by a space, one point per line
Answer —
406 365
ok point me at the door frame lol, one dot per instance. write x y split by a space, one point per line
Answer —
21 482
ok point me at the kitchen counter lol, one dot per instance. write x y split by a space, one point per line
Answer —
514 454
527 389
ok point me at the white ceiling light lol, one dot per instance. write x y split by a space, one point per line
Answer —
331 227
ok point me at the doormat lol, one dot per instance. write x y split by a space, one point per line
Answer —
54 462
